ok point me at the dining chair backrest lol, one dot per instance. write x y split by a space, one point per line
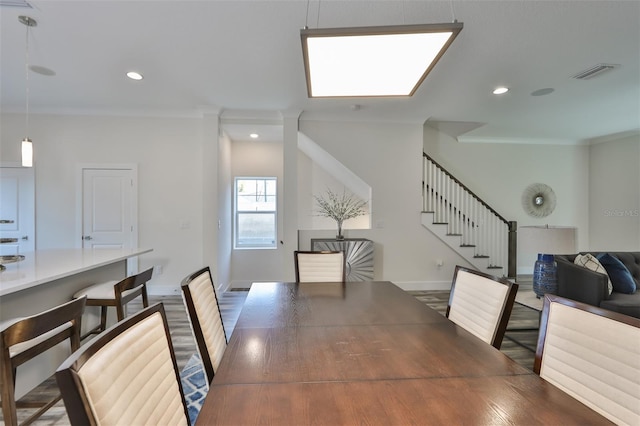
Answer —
320 266
25 338
126 375
593 355
205 318
481 303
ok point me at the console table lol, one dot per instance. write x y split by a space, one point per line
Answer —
359 253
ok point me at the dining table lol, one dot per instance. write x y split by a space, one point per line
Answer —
369 353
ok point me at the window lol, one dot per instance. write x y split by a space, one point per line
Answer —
255 213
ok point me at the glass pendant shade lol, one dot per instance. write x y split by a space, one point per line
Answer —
27 145
27 153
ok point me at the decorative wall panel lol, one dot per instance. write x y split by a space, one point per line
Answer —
359 253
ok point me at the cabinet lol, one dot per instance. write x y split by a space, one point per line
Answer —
358 251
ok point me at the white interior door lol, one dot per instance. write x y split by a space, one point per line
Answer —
17 210
109 214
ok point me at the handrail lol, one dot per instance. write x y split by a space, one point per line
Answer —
467 215
466 188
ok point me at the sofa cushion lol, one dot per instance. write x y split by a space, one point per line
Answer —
589 261
628 304
631 260
618 273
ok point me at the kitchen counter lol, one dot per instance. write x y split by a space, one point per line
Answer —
47 278
44 266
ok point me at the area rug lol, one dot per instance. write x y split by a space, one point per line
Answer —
195 386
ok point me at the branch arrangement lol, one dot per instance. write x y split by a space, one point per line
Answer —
340 207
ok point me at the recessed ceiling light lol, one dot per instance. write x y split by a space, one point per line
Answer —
133 75
254 136
500 90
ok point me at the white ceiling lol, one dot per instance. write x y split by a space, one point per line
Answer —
245 58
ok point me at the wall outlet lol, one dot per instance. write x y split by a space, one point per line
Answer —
157 270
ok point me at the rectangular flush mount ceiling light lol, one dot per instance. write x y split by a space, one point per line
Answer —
373 61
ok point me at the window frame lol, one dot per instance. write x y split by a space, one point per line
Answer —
237 213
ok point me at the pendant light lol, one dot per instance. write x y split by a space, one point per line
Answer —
372 61
27 145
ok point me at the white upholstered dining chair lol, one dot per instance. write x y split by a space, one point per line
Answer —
481 304
320 266
593 355
201 301
127 375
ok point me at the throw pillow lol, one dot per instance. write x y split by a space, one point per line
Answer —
589 261
618 273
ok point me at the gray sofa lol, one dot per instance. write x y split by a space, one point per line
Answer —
579 283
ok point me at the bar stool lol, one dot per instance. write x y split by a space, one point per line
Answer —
115 293
24 338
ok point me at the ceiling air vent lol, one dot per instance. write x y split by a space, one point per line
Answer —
594 71
15 3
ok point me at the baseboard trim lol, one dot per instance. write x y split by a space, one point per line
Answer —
166 290
423 285
162 290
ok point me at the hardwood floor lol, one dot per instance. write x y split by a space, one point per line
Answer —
230 305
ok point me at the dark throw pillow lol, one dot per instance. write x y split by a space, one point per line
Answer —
618 273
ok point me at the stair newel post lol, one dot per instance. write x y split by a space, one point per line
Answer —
513 248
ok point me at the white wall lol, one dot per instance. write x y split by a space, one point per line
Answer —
168 152
316 182
388 157
597 186
614 195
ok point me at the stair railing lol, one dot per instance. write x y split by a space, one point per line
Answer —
468 216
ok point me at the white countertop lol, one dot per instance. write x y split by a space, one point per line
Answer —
43 266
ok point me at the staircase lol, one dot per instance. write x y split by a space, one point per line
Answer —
467 224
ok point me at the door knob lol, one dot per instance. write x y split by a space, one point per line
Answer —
25 238
88 237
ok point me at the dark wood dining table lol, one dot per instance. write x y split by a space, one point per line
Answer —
369 353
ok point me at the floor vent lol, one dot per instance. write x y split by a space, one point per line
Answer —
594 71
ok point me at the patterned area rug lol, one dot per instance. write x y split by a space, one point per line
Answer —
195 386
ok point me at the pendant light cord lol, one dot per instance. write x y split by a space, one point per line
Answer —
453 15
26 72
306 19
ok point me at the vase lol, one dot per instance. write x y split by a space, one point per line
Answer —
339 237
544 275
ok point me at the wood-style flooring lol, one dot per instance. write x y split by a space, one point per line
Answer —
230 305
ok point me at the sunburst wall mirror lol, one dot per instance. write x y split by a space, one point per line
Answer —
538 200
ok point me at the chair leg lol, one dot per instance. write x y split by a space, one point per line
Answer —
98 328
145 297
9 414
41 411
120 311
103 318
